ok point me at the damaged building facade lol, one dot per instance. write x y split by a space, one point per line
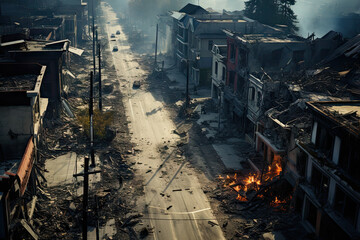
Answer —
35 49
190 34
22 110
251 60
330 187
287 94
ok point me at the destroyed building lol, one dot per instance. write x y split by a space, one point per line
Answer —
252 59
218 75
43 27
47 20
194 31
22 110
54 55
328 189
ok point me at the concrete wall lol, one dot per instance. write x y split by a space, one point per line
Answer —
262 56
18 119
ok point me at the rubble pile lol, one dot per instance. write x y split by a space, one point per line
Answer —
58 211
263 208
253 182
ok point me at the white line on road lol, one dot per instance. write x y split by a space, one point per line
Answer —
196 225
181 213
131 109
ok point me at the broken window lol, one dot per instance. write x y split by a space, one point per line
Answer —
258 99
223 73
275 57
251 94
301 159
345 205
320 183
210 45
349 157
298 56
232 52
231 79
242 62
324 141
311 213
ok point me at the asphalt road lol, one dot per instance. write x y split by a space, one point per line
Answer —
174 204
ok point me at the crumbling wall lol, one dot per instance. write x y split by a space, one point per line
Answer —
15 130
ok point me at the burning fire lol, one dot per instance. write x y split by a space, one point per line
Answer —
241 198
253 181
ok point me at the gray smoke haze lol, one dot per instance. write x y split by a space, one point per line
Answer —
219 5
321 16
318 16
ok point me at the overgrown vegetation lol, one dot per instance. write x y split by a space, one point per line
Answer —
101 122
273 12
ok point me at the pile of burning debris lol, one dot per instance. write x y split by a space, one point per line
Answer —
259 202
256 185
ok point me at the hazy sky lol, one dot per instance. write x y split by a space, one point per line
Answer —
314 15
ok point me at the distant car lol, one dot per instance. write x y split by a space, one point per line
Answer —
115 49
108 22
117 32
136 84
112 35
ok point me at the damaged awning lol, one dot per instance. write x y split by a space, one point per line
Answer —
12 43
76 51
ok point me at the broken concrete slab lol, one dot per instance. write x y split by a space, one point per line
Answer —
60 169
229 156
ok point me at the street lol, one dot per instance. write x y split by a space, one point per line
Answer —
174 204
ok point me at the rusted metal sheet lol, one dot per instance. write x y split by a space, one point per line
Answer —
26 165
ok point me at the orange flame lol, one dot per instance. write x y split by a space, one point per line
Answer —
232 183
241 198
237 188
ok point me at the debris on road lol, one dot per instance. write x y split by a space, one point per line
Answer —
177 190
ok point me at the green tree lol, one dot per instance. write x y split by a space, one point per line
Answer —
265 11
287 15
272 12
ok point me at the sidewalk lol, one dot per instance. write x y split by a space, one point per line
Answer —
232 151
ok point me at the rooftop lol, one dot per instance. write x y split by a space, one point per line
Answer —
17 82
255 38
221 20
344 113
20 76
28 46
193 9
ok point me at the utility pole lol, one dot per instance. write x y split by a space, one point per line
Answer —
92 90
187 84
93 32
85 198
156 42
91 113
85 195
100 91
